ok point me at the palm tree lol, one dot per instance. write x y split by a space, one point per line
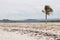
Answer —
47 10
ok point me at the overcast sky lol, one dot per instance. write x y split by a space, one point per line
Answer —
27 9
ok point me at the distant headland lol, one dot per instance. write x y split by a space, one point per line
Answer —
27 20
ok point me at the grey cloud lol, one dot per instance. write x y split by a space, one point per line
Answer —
24 9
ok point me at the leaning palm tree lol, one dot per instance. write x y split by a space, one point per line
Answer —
47 10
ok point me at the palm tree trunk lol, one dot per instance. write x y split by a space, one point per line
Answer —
46 18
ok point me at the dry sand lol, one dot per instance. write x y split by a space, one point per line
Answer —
29 31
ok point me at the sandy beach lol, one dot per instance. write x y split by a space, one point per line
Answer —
29 31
